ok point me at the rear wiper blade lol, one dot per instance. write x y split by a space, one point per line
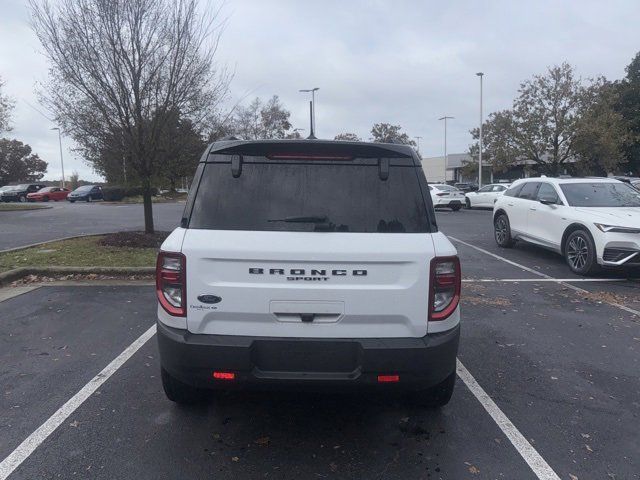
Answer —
307 219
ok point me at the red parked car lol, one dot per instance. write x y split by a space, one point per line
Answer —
48 193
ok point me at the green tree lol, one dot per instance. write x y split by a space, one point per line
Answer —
387 133
628 105
347 137
18 163
73 181
601 135
547 124
182 148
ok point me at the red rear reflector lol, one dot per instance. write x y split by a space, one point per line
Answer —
224 375
388 378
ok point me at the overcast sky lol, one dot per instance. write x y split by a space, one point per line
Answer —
402 62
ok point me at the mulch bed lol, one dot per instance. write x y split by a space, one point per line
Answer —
134 239
77 277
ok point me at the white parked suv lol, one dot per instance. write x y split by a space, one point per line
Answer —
590 221
486 196
446 196
308 265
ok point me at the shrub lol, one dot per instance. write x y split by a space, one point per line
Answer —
113 194
116 193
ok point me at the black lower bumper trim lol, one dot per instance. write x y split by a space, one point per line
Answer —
259 362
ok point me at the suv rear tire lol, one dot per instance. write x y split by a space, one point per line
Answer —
580 253
179 392
434 397
502 231
455 208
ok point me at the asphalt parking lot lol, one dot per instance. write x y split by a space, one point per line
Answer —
66 219
549 387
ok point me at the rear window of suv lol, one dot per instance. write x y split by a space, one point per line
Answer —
351 195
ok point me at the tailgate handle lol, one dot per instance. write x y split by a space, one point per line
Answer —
307 317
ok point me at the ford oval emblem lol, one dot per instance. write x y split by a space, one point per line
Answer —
209 298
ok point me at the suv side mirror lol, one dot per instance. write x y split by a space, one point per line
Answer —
548 200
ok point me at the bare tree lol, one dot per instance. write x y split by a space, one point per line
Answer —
387 133
120 69
262 120
6 106
347 137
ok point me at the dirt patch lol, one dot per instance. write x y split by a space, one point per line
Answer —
471 288
475 294
609 297
134 239
484 300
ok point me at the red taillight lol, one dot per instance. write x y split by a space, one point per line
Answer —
388 378
307 156
224 375
171 283
444 288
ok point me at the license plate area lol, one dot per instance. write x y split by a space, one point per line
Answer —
300 356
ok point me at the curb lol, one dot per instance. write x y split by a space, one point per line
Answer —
43 207
17 273
37 244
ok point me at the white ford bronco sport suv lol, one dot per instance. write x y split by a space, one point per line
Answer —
308 264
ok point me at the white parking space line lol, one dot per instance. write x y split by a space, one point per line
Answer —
530 455
28 446
498 257
538 280
12 292
562 282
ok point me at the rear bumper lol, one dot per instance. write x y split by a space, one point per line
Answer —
342 364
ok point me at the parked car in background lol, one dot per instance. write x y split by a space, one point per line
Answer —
48 193
446 196
18 193
486 196
466 187
590 221
626 179
86 193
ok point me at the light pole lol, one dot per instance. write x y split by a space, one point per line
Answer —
480 74
313 109
445 118
61 160
418 138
